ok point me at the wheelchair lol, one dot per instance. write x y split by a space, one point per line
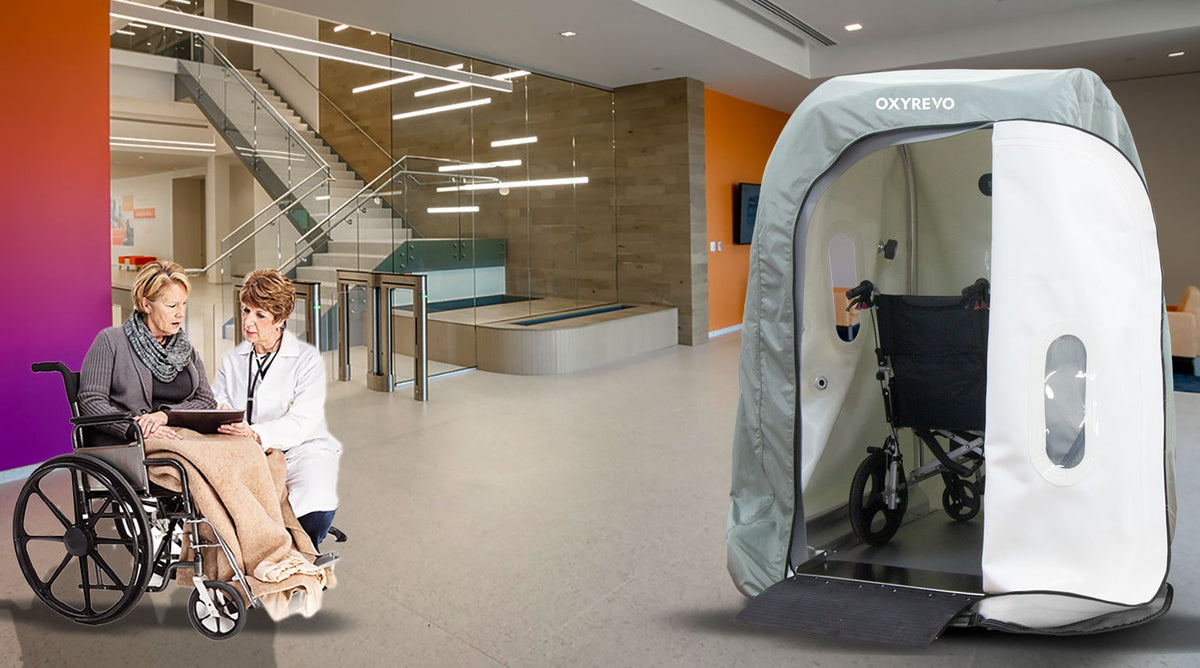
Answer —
931 353
93 534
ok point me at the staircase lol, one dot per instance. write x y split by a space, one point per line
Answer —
364 235
370 235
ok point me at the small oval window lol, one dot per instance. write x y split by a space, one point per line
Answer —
843 277
1066 395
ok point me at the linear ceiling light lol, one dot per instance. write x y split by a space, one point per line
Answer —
126 32
440 89
341 27
446 107
449 87
123 9
514 142
573 180
853 27
134 24
452 209
1175 54
393 82
161 147
169 142
472 166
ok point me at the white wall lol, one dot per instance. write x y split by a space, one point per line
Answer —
293 88
143 204
1162 114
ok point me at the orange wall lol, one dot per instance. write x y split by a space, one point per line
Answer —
54 271
738 138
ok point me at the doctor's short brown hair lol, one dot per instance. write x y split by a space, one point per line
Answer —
270 291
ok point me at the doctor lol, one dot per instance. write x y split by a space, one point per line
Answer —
280 382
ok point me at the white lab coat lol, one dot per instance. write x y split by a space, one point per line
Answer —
289 415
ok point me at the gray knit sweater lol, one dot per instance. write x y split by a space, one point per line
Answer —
114 380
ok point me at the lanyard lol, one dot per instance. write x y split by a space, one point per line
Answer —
255 377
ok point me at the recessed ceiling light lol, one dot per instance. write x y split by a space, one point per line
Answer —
568 33
341 27
851 27
1176 54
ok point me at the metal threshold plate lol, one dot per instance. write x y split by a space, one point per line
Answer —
857 609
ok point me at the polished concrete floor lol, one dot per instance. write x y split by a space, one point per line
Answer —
555 521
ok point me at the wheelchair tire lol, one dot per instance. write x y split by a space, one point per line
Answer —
82 539
230 615
961 499
870 517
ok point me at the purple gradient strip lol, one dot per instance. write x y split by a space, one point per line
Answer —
54 256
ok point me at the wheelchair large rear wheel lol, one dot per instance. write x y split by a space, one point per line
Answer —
82 539
870 516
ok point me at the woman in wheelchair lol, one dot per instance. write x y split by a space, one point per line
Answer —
147 366
135 515
280 382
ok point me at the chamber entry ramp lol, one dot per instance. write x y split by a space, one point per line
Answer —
828 601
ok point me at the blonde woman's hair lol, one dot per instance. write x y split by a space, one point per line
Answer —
270 291
153 278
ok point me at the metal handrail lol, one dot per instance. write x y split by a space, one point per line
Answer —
279 199
331 103
263 101
353 199
359 195
260 228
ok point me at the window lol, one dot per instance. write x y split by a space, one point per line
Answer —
1066 395
843 276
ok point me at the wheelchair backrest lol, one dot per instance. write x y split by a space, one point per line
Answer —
128 458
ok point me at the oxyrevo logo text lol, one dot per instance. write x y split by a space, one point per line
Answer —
914 103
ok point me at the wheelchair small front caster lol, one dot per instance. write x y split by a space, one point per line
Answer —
227 617
870 516
961 499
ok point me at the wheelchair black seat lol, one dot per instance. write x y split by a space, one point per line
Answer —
938 351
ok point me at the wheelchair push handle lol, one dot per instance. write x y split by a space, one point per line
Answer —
978 295
41 367
860 297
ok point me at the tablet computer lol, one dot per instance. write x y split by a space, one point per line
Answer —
204 420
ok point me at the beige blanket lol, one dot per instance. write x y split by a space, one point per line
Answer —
243 493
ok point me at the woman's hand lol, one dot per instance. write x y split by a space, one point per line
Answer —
239 429
155 424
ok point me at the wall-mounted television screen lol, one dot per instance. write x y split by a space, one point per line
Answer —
745 207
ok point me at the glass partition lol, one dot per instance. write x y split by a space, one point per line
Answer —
504 200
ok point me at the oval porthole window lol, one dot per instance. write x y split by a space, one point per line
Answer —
1066 399
843 277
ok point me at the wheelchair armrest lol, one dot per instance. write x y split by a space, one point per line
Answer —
105 418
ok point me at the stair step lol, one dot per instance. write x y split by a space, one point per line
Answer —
355 234
346 260
380 248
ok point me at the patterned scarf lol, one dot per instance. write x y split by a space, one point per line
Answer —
165 361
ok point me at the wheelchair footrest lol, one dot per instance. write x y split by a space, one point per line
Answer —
857 609
327 559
